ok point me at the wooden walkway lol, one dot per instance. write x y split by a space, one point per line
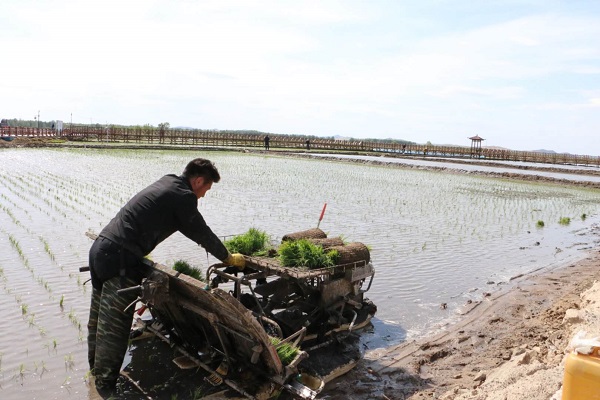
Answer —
211 138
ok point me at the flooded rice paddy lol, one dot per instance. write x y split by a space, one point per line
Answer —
435 238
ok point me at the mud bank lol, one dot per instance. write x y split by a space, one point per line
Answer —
502 175
512 345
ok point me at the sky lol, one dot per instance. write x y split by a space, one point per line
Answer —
522 74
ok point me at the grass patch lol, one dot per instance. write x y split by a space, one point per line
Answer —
186 269
252 243
302 253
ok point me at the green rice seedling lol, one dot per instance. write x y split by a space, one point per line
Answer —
583 216
87 376
74 320
564 220
24 308
67 385
286 351
302 253
44 369
62 300
185 268
16 245
252 243
22 370
47 248
10 214
540 224
69 362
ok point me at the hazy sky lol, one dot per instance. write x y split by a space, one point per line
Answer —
521 74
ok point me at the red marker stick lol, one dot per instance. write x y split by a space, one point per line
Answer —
322 214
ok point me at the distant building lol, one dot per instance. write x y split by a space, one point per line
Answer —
4 123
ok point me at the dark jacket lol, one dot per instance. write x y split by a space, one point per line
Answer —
166 206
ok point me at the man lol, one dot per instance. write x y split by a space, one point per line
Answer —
267 139
168 205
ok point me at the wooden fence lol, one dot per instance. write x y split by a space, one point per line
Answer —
211 138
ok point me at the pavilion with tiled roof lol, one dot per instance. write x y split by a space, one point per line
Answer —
476 146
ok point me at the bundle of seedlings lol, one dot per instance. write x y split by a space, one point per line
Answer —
315 233
327 243
302 253
252 243
355 252
186 269
287 352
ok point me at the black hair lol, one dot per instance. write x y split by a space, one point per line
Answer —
202 167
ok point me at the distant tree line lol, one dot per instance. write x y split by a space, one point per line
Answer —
165 125
25 123
254 132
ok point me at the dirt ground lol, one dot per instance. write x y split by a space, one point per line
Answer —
510 346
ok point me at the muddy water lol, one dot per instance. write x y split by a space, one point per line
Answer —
435 238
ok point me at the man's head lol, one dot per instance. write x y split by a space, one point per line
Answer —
201 174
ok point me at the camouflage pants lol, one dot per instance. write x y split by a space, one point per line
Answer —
108 330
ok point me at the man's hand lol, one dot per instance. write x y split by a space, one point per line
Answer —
236 259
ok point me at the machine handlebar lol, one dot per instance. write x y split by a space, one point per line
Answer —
134 289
